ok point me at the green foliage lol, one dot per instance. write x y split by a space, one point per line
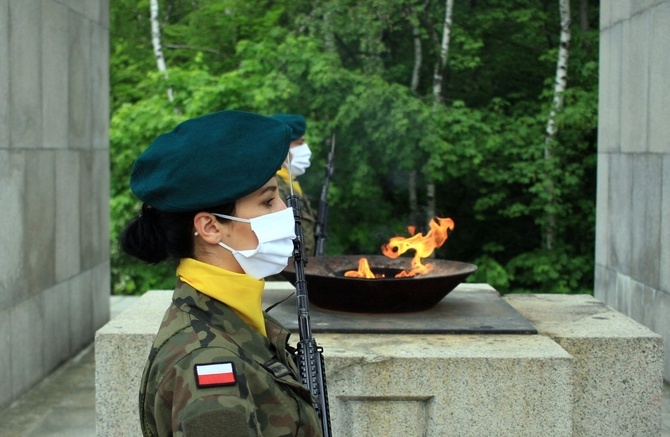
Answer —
346 65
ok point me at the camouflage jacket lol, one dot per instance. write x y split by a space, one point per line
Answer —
308 216
210 374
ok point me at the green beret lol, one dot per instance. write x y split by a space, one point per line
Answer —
210 160
297 123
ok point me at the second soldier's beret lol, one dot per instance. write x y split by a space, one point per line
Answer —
296 122
210 160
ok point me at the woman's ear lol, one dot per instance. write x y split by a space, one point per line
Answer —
207 227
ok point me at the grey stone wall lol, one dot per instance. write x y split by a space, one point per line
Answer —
633 200
54 184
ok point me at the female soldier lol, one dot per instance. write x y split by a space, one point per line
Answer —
299 162
219 365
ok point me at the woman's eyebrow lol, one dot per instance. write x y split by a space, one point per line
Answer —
269 188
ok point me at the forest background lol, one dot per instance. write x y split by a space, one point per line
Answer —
422 128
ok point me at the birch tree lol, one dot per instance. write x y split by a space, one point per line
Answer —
438 97
560 84
158 49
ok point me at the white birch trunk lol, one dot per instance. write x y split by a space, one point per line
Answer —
438 96
560 84
156 42
418 55
444 53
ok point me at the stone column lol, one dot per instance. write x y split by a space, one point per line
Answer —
633 199
54 184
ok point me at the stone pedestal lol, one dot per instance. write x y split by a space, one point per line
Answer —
617 367
589 371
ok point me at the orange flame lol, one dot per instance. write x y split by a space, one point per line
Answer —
423 245
363 271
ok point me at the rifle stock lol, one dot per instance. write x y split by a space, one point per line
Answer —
309 356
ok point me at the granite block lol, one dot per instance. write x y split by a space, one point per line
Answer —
100 93
54 85
609 84
664 261
604 284
104 13
79 82
645 228
659 128
39 219
618 362
602 220
4 75
660 311
101 290
81 311
620 212
67 236
448 385
13 283
25 96
642 304
89 9
94 208
638 6
635 83
27 344
605 19
623 294
56 326
121 350
6 386
620 10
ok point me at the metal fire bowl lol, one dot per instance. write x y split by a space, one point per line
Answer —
328 288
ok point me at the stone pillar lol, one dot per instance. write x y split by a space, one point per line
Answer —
54 184
633 199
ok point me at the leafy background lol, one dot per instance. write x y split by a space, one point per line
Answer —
347 66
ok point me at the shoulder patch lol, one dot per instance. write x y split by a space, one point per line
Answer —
215 374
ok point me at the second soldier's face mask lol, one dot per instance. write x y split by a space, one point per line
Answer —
299 159
275 233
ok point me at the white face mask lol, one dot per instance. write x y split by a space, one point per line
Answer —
299 159
275 233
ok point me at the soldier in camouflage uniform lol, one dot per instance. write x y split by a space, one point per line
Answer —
219 365
298 160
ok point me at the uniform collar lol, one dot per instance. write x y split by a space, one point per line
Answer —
239 291
284 176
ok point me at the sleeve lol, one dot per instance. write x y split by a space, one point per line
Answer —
206 394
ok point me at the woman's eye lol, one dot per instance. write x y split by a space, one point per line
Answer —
269 201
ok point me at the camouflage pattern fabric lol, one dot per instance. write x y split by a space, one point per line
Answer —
265 397
308 216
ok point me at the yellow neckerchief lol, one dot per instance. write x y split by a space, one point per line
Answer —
239 291
283 174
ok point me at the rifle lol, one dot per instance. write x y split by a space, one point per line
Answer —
309 356
321 227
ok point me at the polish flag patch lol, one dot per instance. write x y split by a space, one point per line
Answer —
215 374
